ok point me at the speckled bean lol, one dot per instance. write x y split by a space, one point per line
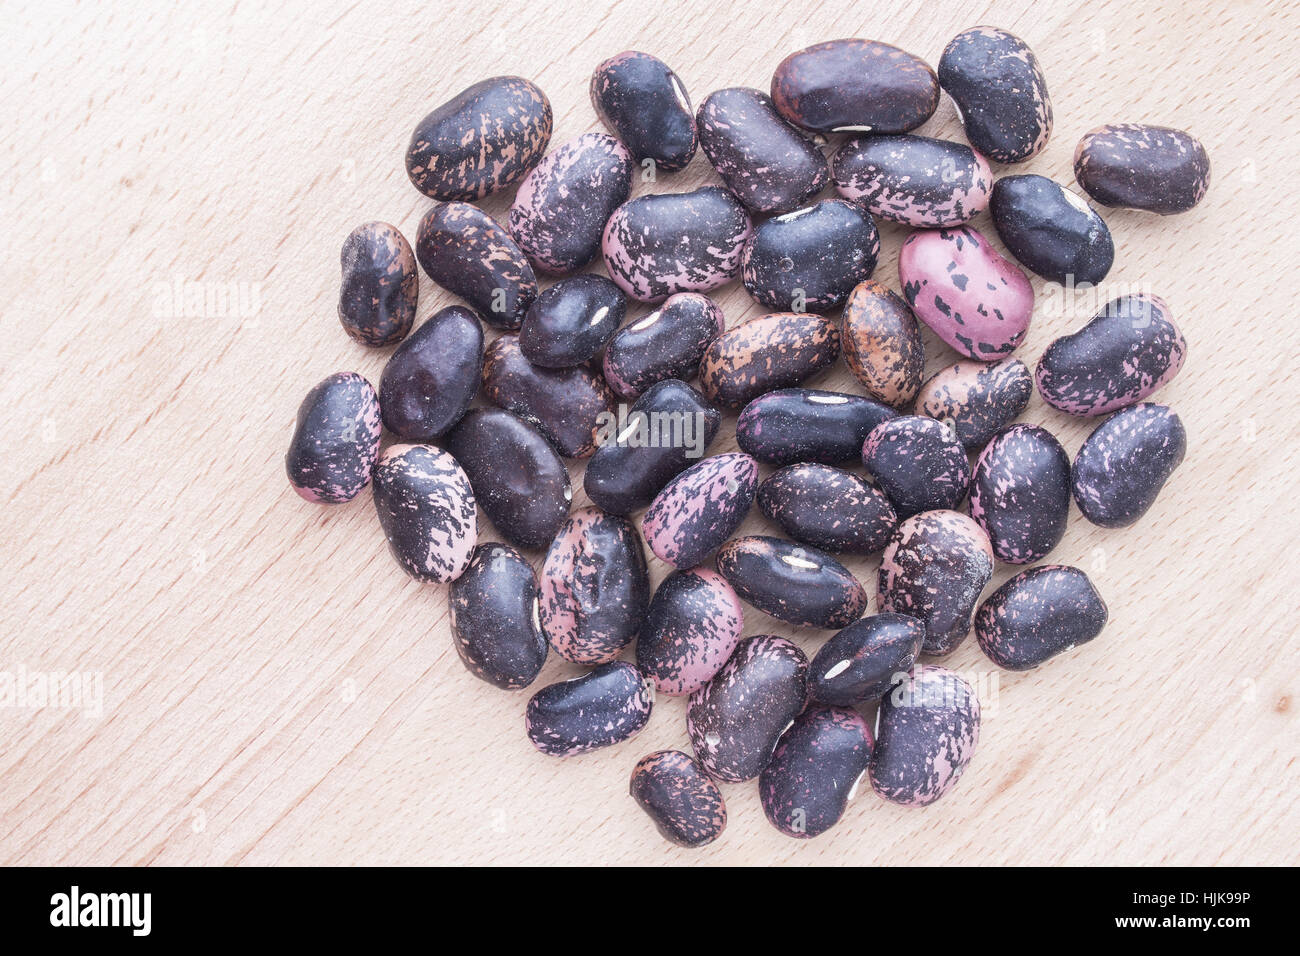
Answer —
494 622
427 510
335 440
795 583
571 321
380 286
1020 493
603 707
829 508
692 626
882 344
806 424
1051 230
809 260
863 661
1152 168
667 343
977 400
1038 614
432 377
766 353
918 463
1125 462
815 770
700 509
686 806
915 180
642 102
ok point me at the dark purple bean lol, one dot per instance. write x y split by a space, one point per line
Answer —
1125 462
1038 614
735 720
810 259
918 463
517 477
335 441
1051 230
603 707
828 508
666 429
814 771
571 321
427 510
863 661
795 583
806 424
645 105
766 353
685 805
431 378
667 343
494 618
594 587
1000 92
692 626
700 509
926 734
380 285
1135 166
915 180
483 139
1020 493
976 400
882 344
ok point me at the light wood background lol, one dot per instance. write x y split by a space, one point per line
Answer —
276 691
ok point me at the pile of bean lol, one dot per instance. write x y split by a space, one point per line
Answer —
564 356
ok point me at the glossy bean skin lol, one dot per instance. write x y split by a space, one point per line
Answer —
977 400
766 353
700 509
915 180
427 509
882 344
829 508
810 259
961 287
594 587
794 425
1135 166
1038 614
863 661
691 628
1052 231
380 287
1000 92
432 377
686 806
667 343
735 720
815 770
855 86
561 207
570 322
1020 493
667 428
335 440
483 139
918 463
795 583
1127 351
769 165
644 103
603 707
656 246
926 734
494 618
1125 462
933 569
565 404
517 476
462 249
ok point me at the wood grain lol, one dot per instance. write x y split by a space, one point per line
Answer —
275 690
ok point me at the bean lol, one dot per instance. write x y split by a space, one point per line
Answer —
1126 352
517 476
659 245
806 424
1152 168
494 618
483 139
1000 92
700 509
926 734
815 770
863 661
571 321
918 463
667 343
666 429
427 510
685 805
977 400
735 720
380 285
561 207
915 180
855 86
933 569
795 583
642 102
1125 462
692 626
1051 230
766 353
769 165
1038 614
462 249
882 344
828 508
431 378
335 440
594 587
603 707
961 287
810 259
1020 493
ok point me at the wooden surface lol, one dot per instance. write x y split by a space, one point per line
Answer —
276 691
